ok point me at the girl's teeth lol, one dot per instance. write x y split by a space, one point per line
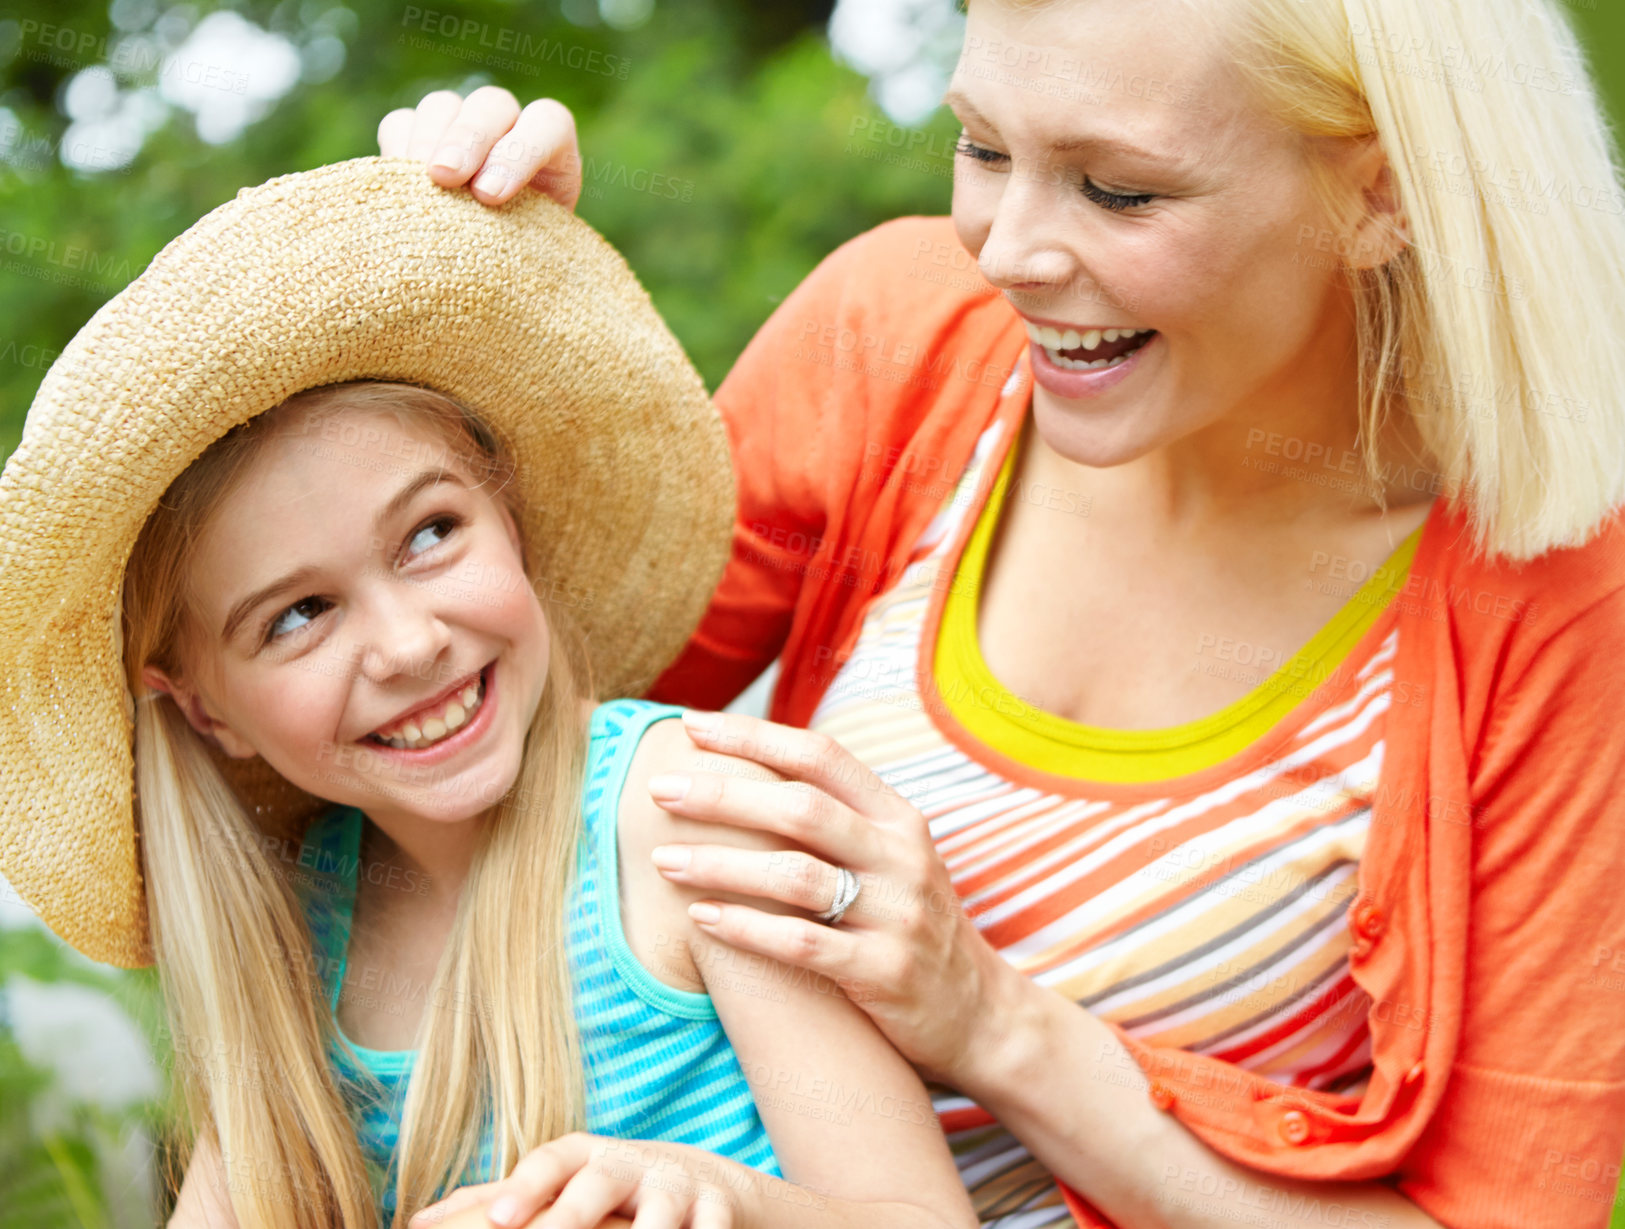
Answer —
456 715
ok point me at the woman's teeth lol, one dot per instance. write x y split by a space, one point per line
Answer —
418 733
1056 340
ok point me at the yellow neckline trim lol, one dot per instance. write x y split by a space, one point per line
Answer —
1009 725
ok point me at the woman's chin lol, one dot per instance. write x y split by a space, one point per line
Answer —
1076 432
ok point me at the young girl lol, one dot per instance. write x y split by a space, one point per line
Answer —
341 596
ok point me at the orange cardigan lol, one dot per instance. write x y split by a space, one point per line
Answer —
1489 929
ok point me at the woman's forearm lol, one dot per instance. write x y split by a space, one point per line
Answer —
1044 1080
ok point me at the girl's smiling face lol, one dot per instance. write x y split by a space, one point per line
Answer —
356 581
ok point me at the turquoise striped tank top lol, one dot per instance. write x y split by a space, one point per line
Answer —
658 1065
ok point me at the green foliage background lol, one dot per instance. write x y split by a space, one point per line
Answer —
741 107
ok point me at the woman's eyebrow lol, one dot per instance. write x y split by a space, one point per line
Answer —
1068 145
397 502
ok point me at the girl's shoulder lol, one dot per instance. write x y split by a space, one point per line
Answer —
634 741
623 736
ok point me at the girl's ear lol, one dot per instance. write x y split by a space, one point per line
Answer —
157 680
1381 230
197 715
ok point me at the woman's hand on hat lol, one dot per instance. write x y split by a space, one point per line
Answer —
487 138
904 951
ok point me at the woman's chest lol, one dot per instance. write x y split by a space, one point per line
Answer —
1108 630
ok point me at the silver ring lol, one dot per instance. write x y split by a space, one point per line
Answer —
846 891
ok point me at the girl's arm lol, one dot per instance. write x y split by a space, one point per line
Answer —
850 1121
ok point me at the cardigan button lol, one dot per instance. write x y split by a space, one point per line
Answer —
1369 921
1295 1127
1161 1095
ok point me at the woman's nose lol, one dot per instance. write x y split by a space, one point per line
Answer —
1028 246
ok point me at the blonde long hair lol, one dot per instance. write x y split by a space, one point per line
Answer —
1500 327
497 1044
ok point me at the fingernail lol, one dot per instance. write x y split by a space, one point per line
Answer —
504 1211
493 179
702 912
668 786
450 157
671 857
704 724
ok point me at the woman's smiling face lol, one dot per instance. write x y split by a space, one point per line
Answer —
1164 199
406 614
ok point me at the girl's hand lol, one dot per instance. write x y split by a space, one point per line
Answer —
591 1180
473 1217
486 137
904 952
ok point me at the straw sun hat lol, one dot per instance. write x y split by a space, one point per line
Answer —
363 269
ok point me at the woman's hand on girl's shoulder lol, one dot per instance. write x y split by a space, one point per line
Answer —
644 825
489 139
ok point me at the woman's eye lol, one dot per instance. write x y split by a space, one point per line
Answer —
1115 201
307 609
981 153
1104 197
432 534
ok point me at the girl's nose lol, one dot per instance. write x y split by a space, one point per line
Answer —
403 634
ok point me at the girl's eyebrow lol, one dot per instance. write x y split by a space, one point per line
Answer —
397 502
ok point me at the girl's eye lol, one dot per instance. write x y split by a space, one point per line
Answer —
306 608
443 525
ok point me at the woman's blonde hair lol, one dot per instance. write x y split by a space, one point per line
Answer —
1500 327
497 1044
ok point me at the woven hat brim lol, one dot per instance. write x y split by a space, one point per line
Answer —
359 270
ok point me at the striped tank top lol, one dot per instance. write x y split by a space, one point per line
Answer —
1190 884
658 1065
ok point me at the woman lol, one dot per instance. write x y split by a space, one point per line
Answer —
1254 707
